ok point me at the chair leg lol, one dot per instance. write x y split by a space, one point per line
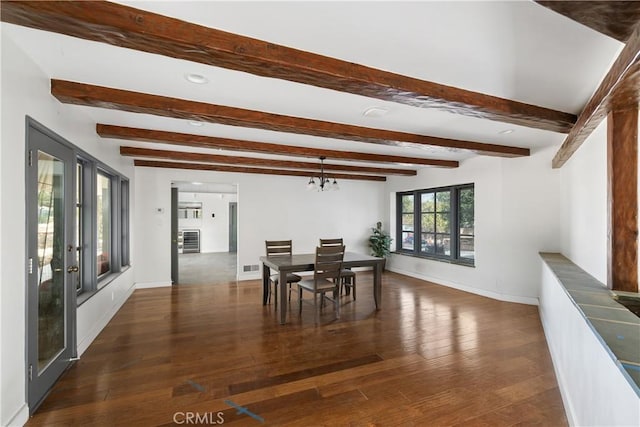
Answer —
315 307
346 283
349 285
299 300
354 287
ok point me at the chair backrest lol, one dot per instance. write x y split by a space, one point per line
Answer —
278 247
328 263
330 242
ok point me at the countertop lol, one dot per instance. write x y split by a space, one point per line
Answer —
617 328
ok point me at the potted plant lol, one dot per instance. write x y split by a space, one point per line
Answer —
380 243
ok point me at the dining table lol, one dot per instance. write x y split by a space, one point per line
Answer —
297 263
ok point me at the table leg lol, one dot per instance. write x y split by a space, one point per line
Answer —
377 285
266 272
284 301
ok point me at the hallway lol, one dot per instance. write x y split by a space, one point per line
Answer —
207 268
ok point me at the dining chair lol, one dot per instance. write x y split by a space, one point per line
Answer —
280 248
326 279
348 276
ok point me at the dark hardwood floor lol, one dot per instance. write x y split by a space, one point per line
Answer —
432 356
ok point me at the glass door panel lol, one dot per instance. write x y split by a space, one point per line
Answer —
51 262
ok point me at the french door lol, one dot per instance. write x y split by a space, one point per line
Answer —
51 261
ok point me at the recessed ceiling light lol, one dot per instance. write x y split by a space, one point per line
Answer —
198 79
506 131
375 112
196 183
194 123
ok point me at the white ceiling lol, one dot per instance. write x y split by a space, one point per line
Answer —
517 50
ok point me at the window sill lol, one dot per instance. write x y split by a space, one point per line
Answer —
463 263
104 281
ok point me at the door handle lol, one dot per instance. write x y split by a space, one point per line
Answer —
72 269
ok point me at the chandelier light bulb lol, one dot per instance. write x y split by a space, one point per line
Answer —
311 185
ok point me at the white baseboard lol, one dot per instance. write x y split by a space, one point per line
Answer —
102 323
250 276
482 292
148 285
20 418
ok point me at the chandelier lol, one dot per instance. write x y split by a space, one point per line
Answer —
324 181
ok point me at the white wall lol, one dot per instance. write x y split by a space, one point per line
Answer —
594 390
25 91
214 231
3 415
584 205
269 208
516 216
574 348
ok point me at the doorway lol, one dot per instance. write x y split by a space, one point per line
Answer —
51 260
233 227
204 217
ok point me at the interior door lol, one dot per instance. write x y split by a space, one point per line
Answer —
233 226
51 255
174 236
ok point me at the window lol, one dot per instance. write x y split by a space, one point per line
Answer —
440 225
79 223
124 222
435 223
408 223
102 224
466 237
103 221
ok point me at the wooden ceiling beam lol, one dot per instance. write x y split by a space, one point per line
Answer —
189 140
619 89
136 102
616 19
622 200
253 161
132 28
240 169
